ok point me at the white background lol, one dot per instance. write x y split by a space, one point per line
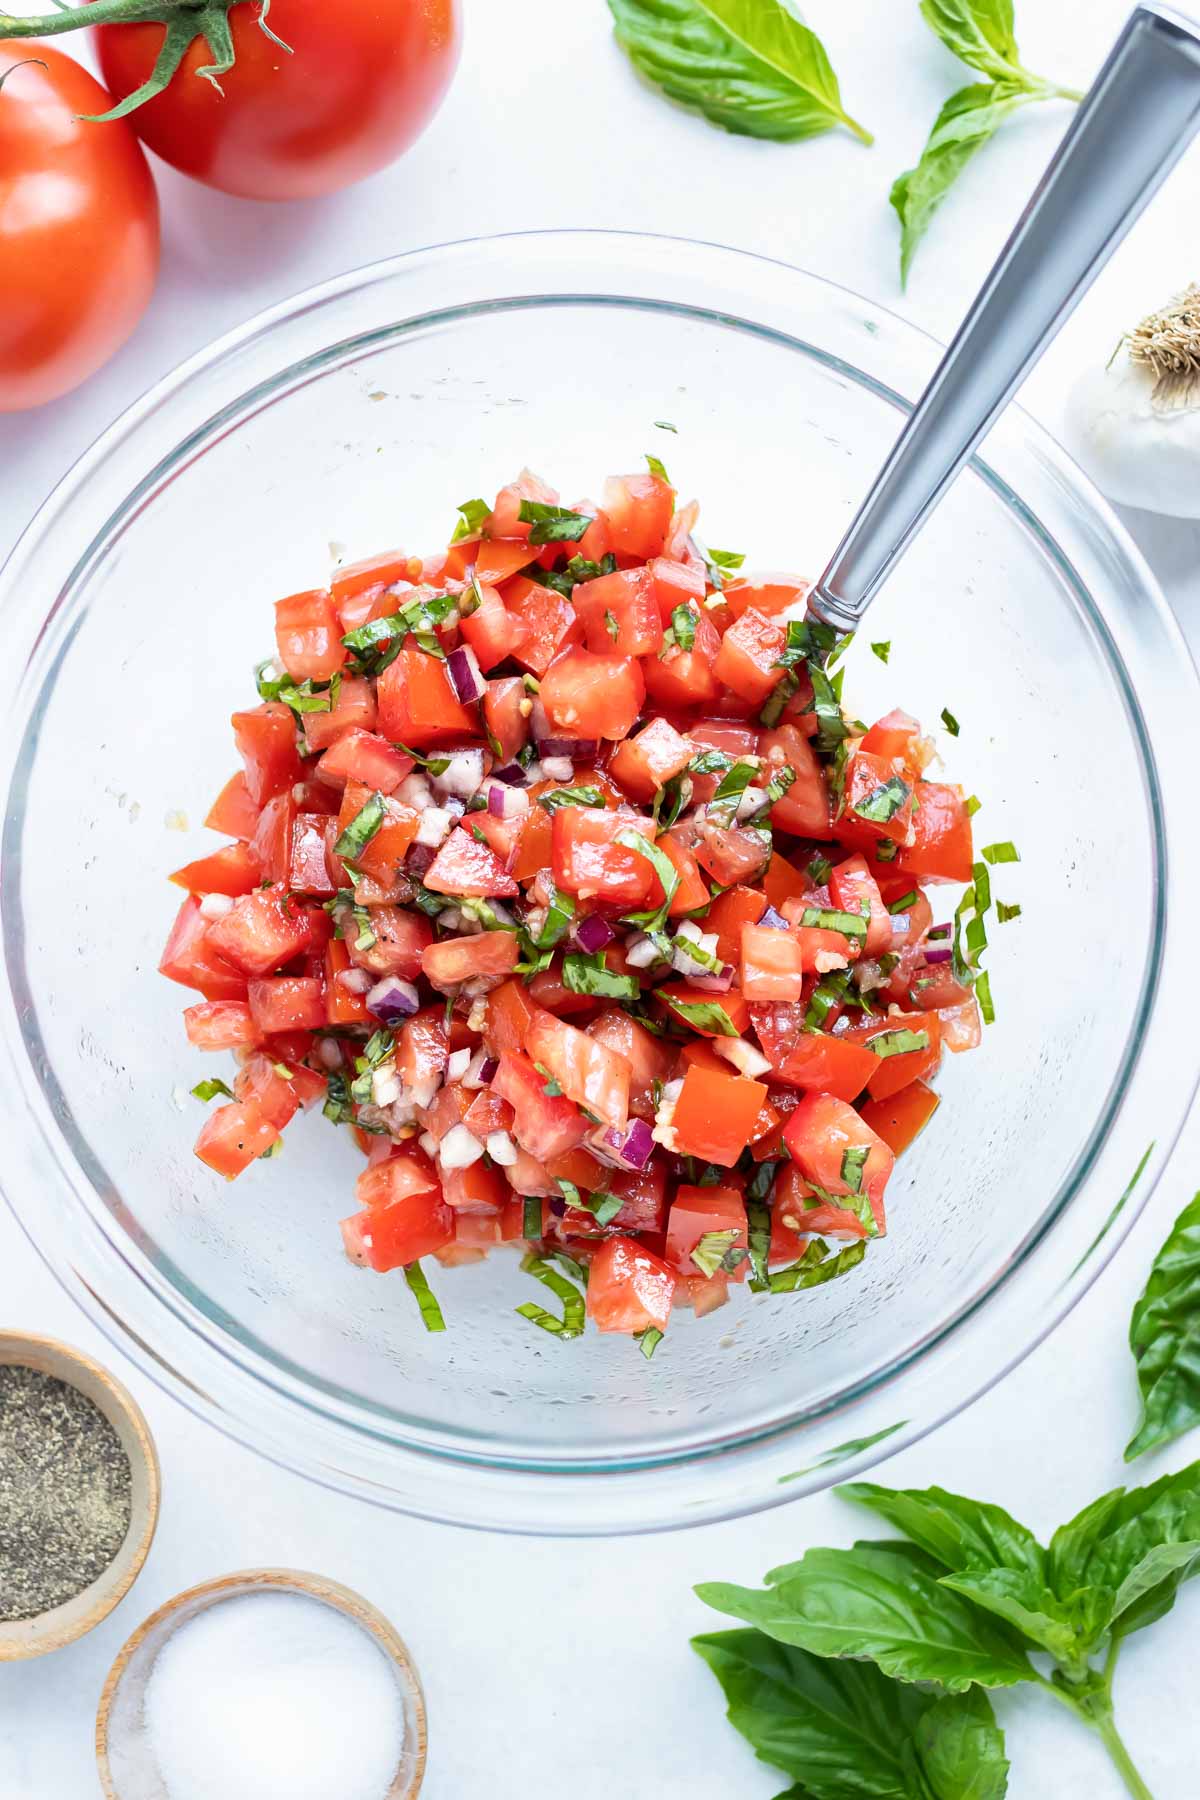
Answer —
566 1665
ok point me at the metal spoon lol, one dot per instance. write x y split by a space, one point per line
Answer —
1138 118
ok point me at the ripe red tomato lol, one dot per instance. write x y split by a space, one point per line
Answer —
79 241
361 83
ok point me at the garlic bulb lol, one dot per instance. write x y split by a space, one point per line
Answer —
1134 426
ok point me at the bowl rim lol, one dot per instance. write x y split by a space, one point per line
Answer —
323 1460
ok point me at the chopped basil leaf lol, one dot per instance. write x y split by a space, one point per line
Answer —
832 990
884 802
525 755
983 993
854 1161
883 649
585 974
779 784
361 829
666 871
709 1253
972 806
572 1322
826 918
773 710
559 914
576 1270
534 965
656 468
904 902
579 568
610 624
301 696
570 796
758 1220
210 1087
683 624
703 1015
807 641
736 780
833 729
472 515
704 959
1005 913
550 1086
429 902
728 560
897 1043
1001 853
886 850
570 1192
603 1206
812 1272
648 1341
819 868
531 1219
949 721
983 887
552 524
377 644
710 762
671 800
337 1100
425 1298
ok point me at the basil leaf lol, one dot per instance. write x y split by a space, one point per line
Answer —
949 721
431 1312
559 916
709 1253
1005 913
1006 852
590 975
611 625
472 515
979 32
964 125
883 1602
727 561
958 1532
883 649
570 796
825 918
648 1341
656 467
758 1220
897 1043
1118 1544
854 1161
531 1219
748 65
683 624
361 829
209 1088
574 1313
884 802
814 1271
960 1748
1164 1336
667 874
552 524
704 1014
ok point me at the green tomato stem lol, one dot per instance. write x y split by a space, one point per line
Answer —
104 12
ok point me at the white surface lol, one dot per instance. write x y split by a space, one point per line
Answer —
561 1663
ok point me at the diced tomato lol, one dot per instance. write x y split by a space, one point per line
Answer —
876 802
505 520
629 1288
692 891
369 578
638 509
272 840
799 1213
491 630
730 911
343 1005
260 932
401 939
234 811
259 1083
591 696
545 1125
643 1197
194 961
731 1004
770 962
736 740
935 985
731 856
814 1060
478 1189
587 1071
547 620
783 881
767 594
506 724
898 1120
220 1025
649 1058
446 1109
509 1016
417 702
455 960
288 1003
748 660
232 1136
488 1112
548 989
767 1142
233 869
642 764
266 740
588 862
463 865
422 1050
382 856
891 1073
308 636
961 1026
353 710
391 1236
704 1293
941 849
620 613
498 559
853 888
674 584
892 736
367 759
697 1211
805 809
685 678
715 1114
310 865
819 1134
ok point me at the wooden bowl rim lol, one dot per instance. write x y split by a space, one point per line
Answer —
346 1600
54 1357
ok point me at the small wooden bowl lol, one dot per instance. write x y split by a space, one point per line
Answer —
21 1638
123 1755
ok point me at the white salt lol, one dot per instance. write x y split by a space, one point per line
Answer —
272 1696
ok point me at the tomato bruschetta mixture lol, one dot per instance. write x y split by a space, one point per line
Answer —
557 873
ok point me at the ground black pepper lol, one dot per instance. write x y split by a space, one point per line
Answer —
65 1492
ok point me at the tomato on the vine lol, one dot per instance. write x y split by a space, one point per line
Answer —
79 240
357 82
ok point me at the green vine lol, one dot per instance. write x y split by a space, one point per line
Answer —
184 21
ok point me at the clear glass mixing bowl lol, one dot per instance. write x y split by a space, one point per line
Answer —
353 418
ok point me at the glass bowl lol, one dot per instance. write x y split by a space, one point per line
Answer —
356 417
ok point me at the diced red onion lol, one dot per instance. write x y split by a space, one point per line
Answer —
939 954
464 671
773 920
512 773
503 801
462 774
593 933
419 858
475 1066
630 1148
713 981
392 999
488 1069
551 743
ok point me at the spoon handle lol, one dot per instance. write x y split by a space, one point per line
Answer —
1131 129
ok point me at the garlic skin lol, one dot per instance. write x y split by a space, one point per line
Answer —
1134 427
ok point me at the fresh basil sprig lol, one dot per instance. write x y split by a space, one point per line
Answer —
981 33
842 1728
748 65
1164 1336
